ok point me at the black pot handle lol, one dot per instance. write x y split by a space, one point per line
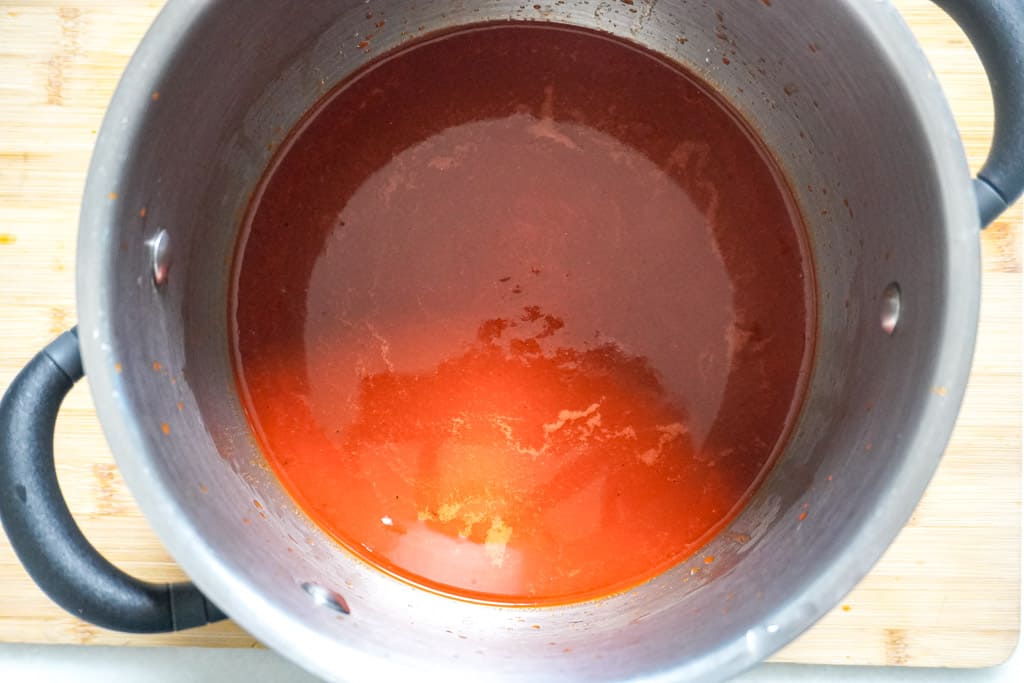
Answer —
996 30
46 538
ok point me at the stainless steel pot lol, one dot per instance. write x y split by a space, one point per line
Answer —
839 91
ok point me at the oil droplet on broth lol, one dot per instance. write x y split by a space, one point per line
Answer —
525 325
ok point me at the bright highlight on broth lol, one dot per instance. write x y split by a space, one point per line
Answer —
522 314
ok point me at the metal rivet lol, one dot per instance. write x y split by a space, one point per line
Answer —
160 256
325 597
891 307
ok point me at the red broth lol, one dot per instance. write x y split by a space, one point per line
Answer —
522 314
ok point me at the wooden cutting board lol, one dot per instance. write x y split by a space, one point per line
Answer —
947 592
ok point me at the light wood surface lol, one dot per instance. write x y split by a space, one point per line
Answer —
946 593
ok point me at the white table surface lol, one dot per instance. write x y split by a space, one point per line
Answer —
99 664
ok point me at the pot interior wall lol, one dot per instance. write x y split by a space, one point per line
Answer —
817 83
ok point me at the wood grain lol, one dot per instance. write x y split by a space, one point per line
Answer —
946 593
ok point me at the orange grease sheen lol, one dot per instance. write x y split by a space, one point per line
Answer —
521 314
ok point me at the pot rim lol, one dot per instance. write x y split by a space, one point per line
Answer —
287 634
